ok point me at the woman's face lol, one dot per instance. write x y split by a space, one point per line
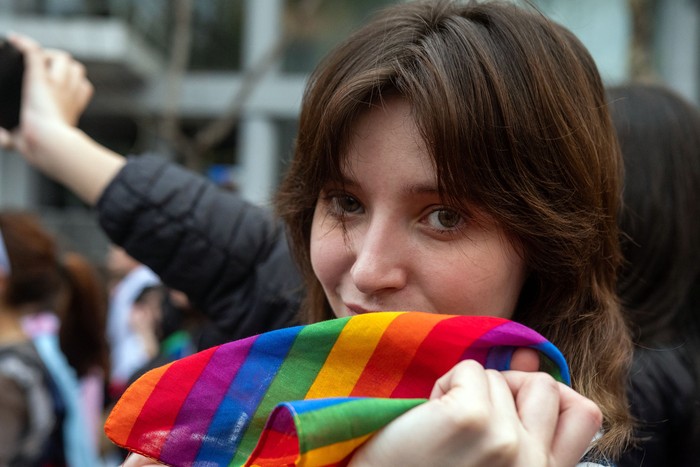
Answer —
384 241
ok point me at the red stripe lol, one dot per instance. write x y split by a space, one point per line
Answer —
160 411
424 370
385 368
276 449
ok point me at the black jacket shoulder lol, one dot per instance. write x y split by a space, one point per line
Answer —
229 256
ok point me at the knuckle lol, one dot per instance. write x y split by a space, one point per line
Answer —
505 446
592 412
60 55
544 382
468 365
471 419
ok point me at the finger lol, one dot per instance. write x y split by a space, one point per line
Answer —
58 64
137 460
87 91
537 397
5 139
82 87
65 69
525 359
501 395
464 396
34 59
579 421
23 43
467 373
33 54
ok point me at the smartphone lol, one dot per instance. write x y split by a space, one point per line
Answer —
11 73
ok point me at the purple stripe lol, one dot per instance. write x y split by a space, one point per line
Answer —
181 447
510 334
474 352
237 411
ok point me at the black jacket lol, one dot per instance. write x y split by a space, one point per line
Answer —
230 257
665 399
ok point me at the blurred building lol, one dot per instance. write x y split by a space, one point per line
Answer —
249 59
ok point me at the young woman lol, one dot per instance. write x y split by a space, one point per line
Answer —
451 158
459 159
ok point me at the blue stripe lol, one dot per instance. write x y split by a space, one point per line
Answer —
244 395
555 355
308 405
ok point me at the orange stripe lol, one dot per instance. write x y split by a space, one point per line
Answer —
346 360
420 376
385 368
129 406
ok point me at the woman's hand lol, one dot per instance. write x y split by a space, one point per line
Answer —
137 460
55 93
477 417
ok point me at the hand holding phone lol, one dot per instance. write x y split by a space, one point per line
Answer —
11 74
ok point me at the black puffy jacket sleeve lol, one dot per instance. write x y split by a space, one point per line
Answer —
230 257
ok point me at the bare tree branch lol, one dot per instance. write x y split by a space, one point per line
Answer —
180 43
640 54
193 148
217 130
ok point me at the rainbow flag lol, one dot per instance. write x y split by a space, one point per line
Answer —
307 395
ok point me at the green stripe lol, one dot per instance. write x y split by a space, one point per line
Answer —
349 420
548 366
294 378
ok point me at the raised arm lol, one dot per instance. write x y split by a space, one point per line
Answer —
230 257
55 93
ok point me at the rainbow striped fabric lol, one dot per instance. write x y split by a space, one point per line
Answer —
307 395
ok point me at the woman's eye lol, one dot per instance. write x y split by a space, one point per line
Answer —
346 204
443 219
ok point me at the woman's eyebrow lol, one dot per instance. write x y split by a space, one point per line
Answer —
345 181
409 188
421 189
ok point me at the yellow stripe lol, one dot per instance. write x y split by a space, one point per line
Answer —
347 359
332 453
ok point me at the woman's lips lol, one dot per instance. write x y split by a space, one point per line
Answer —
357 309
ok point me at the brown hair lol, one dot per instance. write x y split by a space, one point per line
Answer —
35 278
83 316
39 277
512 109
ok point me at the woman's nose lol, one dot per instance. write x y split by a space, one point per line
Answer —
380 259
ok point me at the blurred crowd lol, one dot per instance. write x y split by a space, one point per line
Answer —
73 336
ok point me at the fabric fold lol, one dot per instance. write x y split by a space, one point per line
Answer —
308 395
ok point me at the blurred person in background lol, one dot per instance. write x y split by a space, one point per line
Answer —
75 328
659 134
43 421
83 337
128 279
167 323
